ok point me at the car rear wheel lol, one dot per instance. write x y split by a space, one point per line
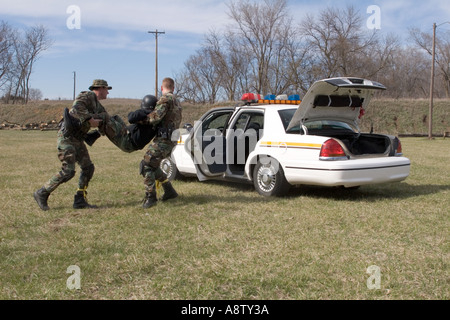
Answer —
170 169
269 179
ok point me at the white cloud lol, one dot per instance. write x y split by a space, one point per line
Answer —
175 15
119 25
400 15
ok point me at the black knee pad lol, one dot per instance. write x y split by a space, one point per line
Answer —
154 163
88 171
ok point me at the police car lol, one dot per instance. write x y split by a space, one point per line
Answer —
276 144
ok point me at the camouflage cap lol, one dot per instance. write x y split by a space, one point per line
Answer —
99 83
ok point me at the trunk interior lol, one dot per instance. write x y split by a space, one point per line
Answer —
365 143
368 144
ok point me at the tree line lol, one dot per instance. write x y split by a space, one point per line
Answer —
19 51
265 50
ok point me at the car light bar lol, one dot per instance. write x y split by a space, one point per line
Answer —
279 101
249 98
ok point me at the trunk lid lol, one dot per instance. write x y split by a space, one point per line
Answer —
335 98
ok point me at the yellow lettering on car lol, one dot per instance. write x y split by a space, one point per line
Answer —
301 145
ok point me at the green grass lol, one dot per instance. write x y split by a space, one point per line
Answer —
220 240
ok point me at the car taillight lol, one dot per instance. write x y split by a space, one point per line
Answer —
399 151
332 150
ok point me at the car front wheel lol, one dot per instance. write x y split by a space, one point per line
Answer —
269 179
170 169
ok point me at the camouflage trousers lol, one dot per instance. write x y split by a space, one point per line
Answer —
116 131
157 150
71 151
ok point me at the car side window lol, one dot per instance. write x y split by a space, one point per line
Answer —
215 123
286 116
249 120
256 122
242 121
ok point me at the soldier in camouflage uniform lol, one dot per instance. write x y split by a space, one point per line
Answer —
167 118
86 113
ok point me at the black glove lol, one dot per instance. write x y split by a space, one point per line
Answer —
92 137
138 115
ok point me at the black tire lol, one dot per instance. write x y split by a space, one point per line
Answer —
170 169
351 188
269 179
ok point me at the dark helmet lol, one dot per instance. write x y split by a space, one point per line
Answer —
149 102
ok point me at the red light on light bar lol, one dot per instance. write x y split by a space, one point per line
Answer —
251 97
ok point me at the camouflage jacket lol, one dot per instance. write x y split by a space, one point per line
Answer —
167 113
85 107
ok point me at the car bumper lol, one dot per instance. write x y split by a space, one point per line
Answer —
349 173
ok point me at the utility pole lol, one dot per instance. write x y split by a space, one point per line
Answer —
433 57
156 33
74 82
430 111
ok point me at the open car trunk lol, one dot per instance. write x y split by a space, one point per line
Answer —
367 144
341 99
362 144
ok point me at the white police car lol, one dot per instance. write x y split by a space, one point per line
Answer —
279 144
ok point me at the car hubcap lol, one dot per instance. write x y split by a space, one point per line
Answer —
166 167
266 178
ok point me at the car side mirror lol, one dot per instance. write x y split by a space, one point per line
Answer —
188 127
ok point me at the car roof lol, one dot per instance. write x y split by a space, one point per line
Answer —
270 106
256 107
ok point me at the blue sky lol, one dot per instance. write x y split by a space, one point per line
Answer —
113 43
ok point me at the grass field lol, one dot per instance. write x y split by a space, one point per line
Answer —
220 240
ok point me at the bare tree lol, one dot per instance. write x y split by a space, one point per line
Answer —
289 55
408 75
27 51
255 54
7 38
201 80
262 51
379 57
35 94
230 62
260 27
425 41
337 39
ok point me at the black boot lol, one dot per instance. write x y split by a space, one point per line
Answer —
92 137
80 201
169 191
41 197
149 200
